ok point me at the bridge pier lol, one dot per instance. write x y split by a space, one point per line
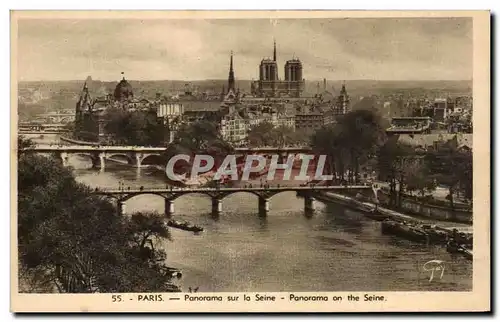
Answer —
102 161
169 208
308 204
216 206
138 160
263 206
121 207
64 158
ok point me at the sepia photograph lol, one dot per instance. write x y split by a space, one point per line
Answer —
297 158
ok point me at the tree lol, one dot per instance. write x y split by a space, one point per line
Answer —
301 137
147 230
351 142
134 127
451 167
200 137
262 134
418 179
393 161
74 242
266 134
327 141
24 143
282 136
362 134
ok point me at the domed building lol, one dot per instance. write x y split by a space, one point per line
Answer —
123 91
93 114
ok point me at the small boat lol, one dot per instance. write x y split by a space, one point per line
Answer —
467 253
173 272
455 248
184 226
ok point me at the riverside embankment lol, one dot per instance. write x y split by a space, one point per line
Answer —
366 207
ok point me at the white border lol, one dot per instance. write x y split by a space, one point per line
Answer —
185 4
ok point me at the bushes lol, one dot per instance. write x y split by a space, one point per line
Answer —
74 242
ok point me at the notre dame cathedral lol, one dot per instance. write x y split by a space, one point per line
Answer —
269 84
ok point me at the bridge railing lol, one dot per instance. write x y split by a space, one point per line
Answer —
257 188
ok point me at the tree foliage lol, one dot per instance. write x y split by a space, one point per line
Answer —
422 171
134 127
200 137
74 242
452 167
350 143
266 134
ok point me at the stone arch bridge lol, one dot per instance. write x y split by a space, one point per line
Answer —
98 154
136 155
264 195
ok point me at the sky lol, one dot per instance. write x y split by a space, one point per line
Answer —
175 49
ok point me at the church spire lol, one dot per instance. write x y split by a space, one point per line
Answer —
231 63
274 52
230 80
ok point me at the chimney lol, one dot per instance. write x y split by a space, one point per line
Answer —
324 84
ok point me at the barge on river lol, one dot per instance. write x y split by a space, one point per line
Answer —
424 233
184 226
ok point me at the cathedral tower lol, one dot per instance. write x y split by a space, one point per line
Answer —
343 100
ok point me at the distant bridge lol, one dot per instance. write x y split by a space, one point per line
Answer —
135 155
218 194
38 128
98 154
62 118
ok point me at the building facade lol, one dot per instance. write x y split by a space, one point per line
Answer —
92 114
270 85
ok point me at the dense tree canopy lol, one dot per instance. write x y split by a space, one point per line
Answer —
359 136
72 241
201 137
421 171
134 128
266 134
349 143
452 167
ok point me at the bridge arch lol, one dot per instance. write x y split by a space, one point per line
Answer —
118 155
156 158
248 192
262 194
206 194
93 158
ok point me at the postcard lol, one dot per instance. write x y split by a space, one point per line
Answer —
250 161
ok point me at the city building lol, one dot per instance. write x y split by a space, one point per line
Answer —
410 125
309 117
343 100
324 109
269 83
92 117
236 121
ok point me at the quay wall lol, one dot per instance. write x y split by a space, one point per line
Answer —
414 207
411 208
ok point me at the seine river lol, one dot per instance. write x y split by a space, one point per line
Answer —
335 250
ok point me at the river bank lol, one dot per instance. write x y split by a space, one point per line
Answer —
366 207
